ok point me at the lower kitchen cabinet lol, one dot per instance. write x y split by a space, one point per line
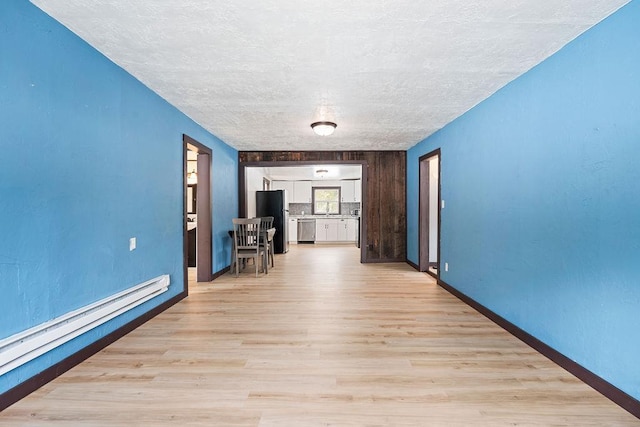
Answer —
327 230
336 230
321 230
347 230
342 229
292 231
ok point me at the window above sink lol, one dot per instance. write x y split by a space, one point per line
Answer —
326 201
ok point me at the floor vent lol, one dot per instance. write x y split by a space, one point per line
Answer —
27 345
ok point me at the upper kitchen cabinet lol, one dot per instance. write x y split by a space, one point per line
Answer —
284 185
301 192
351 190
347 191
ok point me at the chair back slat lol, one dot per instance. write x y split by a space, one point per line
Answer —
246 236
267 222
246 232
267 241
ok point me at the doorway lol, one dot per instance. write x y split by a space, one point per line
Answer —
429 213
197 209
301 176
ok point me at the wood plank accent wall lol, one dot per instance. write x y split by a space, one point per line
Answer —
385 208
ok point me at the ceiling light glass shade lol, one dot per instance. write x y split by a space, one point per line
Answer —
323 128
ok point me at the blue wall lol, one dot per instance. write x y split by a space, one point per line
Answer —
542 189
89 158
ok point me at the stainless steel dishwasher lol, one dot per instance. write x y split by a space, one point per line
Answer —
306 230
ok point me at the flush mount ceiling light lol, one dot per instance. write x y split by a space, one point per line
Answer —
323 172
323 128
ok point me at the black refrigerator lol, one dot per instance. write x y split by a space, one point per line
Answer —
274 203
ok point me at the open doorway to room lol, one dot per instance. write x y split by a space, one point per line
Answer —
300 182
192 216
429 213
197 210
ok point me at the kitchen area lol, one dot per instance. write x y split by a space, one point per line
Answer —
323 203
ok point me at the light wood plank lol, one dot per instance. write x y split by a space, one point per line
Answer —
320 340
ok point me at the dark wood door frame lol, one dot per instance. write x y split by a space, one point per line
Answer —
242 188
204 248
423 211
424 215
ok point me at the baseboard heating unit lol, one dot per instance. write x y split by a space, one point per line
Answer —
27 345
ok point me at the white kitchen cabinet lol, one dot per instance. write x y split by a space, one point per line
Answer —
352 225
357 190
283 185
342 230
327 230
301 192
347 191
321 234
292 231
347 230
321 230
332 230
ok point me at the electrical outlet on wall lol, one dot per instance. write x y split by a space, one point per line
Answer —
132 243
446 266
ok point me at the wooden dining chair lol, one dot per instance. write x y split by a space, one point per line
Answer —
246 235
267 223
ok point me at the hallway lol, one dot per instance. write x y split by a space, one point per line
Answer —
320 340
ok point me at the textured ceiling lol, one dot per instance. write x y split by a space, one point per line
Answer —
389 73
333 172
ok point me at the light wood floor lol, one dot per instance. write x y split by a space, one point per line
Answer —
322 340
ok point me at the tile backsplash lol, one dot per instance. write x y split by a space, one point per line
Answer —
298 208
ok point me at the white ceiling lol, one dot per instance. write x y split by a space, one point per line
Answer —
333 172
256 73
